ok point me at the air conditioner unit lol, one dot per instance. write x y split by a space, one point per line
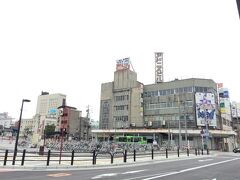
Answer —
163 123
149 123
133 124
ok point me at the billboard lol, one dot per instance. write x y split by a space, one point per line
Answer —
158 67
123 64
205 109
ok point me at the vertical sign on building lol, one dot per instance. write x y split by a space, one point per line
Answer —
158 67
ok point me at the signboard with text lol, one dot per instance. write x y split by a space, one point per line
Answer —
158 67
123 64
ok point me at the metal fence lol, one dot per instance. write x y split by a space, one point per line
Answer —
73 157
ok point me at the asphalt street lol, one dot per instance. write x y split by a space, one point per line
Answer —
221 167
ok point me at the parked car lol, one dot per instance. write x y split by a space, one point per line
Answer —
236 150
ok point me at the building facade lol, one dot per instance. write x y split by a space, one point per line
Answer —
46 112
121 101
5 120
27 126
180 111
235 109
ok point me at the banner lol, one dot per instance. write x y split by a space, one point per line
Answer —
205 109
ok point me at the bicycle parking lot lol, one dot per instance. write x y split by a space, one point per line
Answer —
91 154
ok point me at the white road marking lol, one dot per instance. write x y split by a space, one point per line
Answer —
203 160
139 177
115 174
132 172
191 169
59 175
104 175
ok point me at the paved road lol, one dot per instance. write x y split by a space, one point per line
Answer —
221 167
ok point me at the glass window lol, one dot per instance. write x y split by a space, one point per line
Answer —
176 91
163 104
205 89
144 95
180 90
168 91
148 94
189 103
161 92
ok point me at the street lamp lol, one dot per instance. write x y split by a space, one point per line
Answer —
19 125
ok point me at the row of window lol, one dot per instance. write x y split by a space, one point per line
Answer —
121 98
166 92
163 105
120 118
172 117
121 107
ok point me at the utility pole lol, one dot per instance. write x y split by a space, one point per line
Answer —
179 124
168 135
185 118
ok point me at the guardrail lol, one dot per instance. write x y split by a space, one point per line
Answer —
75 158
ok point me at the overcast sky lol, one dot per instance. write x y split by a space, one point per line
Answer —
71 47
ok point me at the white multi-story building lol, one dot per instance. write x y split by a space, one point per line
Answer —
5 120
27 126
46 112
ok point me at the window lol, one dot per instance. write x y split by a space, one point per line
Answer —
162 104
189 103
180 90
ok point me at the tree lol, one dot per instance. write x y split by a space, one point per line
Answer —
49 130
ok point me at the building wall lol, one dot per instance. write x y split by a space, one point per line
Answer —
74 122
136 104
121 101
26 124
166 103
47 102
47 108
5 120
106 107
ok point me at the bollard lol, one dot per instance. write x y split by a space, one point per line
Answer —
178 151
5 158
134 155
187 152
152 154
202 151
111 158
207 151
94 157
125 156
72 159
166 153
23 157
48 157
196 151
